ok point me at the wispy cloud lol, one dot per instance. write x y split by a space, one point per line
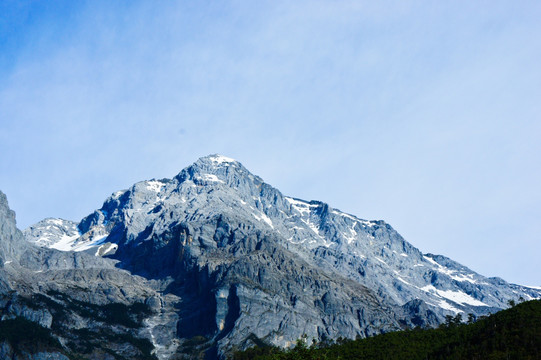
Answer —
424 114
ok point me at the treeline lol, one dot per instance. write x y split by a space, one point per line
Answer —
514 333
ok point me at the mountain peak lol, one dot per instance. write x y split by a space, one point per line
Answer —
216 161
216 169
219 159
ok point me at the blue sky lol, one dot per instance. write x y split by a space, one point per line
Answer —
424 114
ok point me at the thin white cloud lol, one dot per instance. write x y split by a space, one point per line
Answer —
424 114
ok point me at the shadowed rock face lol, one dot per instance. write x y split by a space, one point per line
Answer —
226 259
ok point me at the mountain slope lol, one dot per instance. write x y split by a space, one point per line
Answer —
56 305
509 334
247 262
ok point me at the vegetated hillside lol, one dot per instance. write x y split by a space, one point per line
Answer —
514 333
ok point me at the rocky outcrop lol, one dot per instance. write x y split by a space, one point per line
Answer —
54 304
7 352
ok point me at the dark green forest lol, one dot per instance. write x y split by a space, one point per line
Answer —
514 333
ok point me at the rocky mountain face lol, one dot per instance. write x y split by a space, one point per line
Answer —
65 305
215 259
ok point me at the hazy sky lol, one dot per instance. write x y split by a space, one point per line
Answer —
426 114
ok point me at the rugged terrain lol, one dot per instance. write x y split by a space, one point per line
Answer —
514 333
215 260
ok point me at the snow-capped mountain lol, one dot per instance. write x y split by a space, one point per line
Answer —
247 261
57 234
64 235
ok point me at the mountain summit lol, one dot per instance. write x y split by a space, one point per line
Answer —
247 264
